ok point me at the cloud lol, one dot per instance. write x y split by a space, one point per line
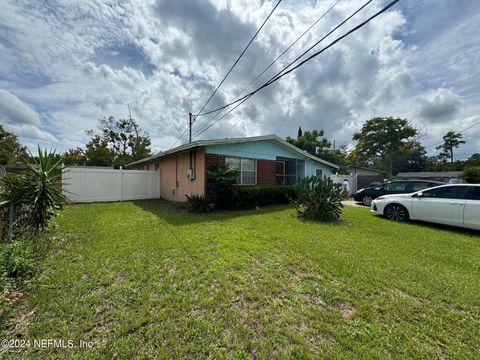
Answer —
440 105
15 111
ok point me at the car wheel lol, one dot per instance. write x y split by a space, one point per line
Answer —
367 200
396 212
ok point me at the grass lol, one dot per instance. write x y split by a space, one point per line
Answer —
146 280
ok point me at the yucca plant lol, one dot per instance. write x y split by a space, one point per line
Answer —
319 199
38 187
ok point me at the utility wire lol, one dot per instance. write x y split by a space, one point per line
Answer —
284 72
296 59
229 71
461 131
219 111
239 57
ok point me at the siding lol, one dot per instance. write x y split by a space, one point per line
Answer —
264 149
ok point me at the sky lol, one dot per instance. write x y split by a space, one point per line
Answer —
66 64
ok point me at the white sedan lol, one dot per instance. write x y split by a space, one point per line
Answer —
456 205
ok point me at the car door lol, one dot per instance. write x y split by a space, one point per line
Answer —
471 214
444 205
396 187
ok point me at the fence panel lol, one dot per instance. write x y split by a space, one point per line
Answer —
352 181
89 184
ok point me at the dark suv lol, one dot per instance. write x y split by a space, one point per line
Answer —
365 196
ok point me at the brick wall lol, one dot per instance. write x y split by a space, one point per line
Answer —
266 172
211 160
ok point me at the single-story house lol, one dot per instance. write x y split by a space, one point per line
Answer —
361 170
262 160
445 176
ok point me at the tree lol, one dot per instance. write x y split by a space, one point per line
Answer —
126 139
97 152
383 138
74 157
450 141
471 175
11 150
300 133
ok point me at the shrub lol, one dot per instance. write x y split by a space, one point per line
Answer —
17 260
220 181
319 199
247 197
38 188
197 204
471 175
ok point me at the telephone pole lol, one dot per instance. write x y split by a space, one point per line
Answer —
190 127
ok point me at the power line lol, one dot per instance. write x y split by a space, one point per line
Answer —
239 57
285 72
461 131
229 71
218 112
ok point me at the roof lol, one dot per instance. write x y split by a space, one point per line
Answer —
201 143
366 168
427 174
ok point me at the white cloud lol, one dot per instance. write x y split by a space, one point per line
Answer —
15 111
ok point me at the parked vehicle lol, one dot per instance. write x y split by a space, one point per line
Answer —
366 195
456 205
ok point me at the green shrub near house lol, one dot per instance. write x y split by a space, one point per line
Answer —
250 196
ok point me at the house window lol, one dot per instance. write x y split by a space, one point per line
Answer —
157 166
247 167
319 172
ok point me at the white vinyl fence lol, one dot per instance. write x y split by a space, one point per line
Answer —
90 184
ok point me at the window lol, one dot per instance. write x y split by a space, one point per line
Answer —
319 172
417 186
396 186
448 192
247 167
157 166
474 193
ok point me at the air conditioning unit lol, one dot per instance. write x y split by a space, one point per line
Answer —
191 174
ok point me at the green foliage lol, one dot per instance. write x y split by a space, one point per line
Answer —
74 157
383 138
319 199
197 204
451 140
220 181
11 151
38 188
17 260
250 196
471 174
97 152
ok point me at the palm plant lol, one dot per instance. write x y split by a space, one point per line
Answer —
38 187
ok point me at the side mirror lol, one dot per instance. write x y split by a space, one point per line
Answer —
418 195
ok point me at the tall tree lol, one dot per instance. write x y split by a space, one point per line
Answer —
74 157
126 139
97 152
383 138
451 140
300 133
11 150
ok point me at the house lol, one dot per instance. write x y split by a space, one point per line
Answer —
445 176
262 160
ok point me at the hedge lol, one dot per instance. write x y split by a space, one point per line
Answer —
250 196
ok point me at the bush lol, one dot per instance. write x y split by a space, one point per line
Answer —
16 261
220 181
319 199
37 189
250 196
471 175
197 204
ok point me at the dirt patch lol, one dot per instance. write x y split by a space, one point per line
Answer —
346 310
311 299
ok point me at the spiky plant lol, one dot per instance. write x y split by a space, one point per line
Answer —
38 187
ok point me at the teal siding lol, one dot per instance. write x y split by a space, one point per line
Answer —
267 150
311 167
264 149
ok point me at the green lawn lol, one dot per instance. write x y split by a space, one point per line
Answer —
146 280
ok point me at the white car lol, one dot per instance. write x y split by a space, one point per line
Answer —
456 205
